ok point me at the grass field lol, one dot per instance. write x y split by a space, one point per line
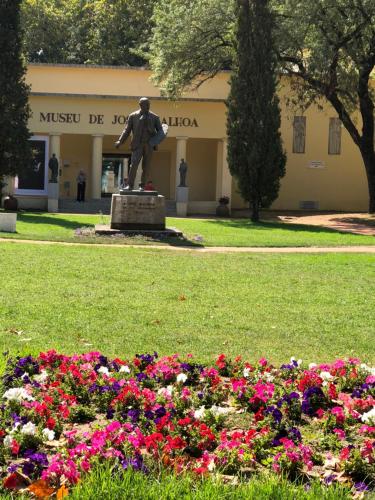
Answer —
126 300
207 232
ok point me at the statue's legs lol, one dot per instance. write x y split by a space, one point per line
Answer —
146 163
145 152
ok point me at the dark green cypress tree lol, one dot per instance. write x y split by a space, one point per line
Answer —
255 154
15 150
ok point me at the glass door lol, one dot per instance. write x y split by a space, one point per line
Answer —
114 171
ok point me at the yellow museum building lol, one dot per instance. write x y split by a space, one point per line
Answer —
79 111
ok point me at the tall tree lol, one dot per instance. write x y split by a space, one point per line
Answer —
326 46
255 153
15 150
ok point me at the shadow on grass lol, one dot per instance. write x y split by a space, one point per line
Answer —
51 220
253 226
33 218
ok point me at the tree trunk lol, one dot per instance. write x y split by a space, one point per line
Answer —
254 209
368 157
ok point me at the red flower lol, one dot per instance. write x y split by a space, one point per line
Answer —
15 448
51 423
220 362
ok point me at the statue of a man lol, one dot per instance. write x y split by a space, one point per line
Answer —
183 170
53 164
147 132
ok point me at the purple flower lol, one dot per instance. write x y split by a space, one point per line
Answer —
295 434
28 468
160 412
361 486
149 414
141 376
186 367
134 415
135 463
110 413
329 479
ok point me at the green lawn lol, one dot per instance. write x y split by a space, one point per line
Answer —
126 300
206 232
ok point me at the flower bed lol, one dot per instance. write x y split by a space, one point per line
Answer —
62 415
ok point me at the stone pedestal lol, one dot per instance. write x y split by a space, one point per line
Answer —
138 210
8 222
53 197
182 199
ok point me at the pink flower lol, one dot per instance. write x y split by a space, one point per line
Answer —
338 412
340 434
113 426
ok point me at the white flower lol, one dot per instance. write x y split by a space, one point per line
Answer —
17 394
312 366
48 434
104 370
211 466
246 372
166 391
28 429
25 375
124 369
269 377
198 414
326 376
42 377
219 410
369 417
368 369
8 440
181 377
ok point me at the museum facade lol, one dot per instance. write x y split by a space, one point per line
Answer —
78 112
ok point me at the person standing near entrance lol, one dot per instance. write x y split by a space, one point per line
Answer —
81 186
147 132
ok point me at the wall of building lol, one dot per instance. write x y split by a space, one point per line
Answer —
80 102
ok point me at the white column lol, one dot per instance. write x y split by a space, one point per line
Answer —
180 154
55 145
223 176
53 188
96 171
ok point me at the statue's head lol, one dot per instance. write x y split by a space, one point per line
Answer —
144 104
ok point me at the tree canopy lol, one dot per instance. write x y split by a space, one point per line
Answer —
326 46
106 32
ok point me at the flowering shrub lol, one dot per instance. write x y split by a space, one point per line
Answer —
62 415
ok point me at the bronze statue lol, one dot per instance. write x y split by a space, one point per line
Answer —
147 133
53 164
183 170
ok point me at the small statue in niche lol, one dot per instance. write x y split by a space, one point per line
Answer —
183 170
53 164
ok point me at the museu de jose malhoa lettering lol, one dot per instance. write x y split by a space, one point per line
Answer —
98 119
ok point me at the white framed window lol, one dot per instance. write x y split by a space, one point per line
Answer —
35 180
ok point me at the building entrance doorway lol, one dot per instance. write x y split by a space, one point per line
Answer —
115 168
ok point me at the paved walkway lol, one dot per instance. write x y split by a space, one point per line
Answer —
347 249
356 223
